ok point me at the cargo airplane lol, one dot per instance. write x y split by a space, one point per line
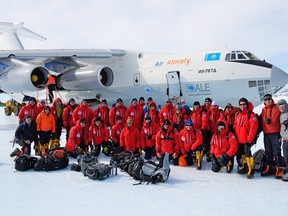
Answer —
225 75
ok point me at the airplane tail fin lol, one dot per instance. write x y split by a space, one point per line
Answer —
9 32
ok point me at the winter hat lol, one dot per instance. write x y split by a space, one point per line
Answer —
42 101
119 100
281 102
148 117
196 103
228 105
168 100
134 99
178 107
208 99
83 120
189 122
267 96
166 122
214 103
104 101
220 123
182 101
243 100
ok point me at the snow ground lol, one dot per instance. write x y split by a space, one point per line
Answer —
187 191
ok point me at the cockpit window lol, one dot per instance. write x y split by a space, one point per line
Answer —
240 55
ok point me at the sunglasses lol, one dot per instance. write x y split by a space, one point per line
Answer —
221 127
188 125
242 104
267 99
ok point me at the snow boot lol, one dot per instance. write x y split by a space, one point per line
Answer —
16 152
279 172
230 165
268 170
250 163
199 155
244 167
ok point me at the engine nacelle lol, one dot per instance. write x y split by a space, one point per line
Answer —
24 79
87 78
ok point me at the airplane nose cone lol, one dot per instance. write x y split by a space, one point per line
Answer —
279 77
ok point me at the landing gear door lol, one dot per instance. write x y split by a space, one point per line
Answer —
173 84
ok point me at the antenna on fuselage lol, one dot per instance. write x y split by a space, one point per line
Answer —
9 32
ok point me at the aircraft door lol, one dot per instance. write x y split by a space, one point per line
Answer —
173 84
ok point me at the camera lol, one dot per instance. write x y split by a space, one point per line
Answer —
268 121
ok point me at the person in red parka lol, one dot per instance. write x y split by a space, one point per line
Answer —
117 110
31 109
229 116
167 112
130 138
167 141
272 144
224 146
190 140
116 132
68 122
103 112
148 137
78 139
83 111
215 114
98 135
136 113
152 112
245 126
179 117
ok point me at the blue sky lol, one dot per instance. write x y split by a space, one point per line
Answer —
258 26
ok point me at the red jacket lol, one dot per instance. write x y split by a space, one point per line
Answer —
116 131
190 140
166 113
103 113
246 128
214 117
179 120
228 116
167 141
83 112
148 135
75 137
273 113
68 116
58 116
98 134
154 114
130 139
116 111
225 142
200 119
136 113
32 111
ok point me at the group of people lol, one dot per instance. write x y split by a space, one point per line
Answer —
186 134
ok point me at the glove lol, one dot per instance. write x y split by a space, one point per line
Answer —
223 159
52 136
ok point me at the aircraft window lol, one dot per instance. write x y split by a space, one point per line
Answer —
267 88
233 56
252 84
267 82
261 88
227 58
260 82
262 94
241 56
251 56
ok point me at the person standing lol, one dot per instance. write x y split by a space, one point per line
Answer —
117 110
246 126
46 128
136 113
103 112
283 108
51 86
57 111
68 122
83 111
271 128
31 109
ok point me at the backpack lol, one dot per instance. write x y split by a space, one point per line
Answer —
86 160
25 162
55 159
259 159
259 130
98 171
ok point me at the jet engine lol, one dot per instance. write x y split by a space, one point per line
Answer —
87 78
23 79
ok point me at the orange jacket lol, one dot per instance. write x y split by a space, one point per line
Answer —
130 139
246 128
167 141
148 135
51 80
190 140
45 122
273 114
221 144
98 134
